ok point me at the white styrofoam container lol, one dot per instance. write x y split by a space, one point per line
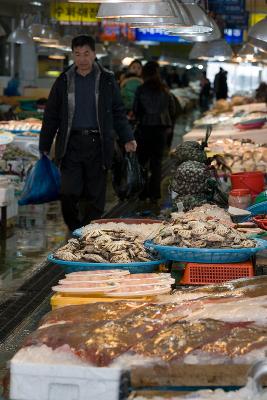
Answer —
12 209
34 381
7 195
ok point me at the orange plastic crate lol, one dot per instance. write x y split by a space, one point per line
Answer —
203 274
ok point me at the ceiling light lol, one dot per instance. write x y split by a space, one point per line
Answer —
119 52
200 66
36 3
164 8
48 36
215 50
127 61
57 56
202 37
36 30
201 22
257 35
186 19
113 1
20 35
189 67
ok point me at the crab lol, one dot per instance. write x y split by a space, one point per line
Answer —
199 231
94 258
213 237
221 230
119 245
66 255
92 234
184 234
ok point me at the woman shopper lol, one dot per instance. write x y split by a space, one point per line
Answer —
133 79
155 111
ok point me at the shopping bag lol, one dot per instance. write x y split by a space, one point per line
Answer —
42 183
127 174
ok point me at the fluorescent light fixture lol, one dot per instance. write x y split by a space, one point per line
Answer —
53 74
57 56
36 3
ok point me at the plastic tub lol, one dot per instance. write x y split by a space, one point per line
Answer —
240 198
210 256
133 268
254 181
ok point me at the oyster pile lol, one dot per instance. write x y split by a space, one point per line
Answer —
104 246
187 231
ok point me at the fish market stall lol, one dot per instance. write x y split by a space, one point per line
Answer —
233 121
139 328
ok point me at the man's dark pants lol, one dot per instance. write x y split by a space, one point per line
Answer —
83 186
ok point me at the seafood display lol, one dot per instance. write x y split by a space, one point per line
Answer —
240 156
201 326
197 229
104 246
116 285
143 230
27 125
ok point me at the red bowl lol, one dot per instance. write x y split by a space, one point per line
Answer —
246 127
261 221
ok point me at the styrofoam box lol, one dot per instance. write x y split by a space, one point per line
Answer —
33 381
7 194
12 209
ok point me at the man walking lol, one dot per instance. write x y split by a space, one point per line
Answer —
83 107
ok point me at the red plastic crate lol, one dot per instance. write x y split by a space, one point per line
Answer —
203 274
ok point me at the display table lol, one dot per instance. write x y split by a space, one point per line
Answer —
258 136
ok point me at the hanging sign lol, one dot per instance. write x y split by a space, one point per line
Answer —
232 12
112 32
156 35
84 13
227 6
233 36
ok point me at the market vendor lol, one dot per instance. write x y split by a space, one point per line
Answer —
83 107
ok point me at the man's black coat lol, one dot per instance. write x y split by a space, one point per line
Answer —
60 109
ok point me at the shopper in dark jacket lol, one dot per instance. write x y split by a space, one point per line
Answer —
220 85
83 107
155 111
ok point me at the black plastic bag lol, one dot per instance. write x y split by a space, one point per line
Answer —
42 183
127 175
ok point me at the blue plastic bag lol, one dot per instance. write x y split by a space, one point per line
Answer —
42 183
